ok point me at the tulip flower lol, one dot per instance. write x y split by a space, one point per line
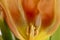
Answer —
31 19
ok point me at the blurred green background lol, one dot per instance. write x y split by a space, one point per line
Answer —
55 36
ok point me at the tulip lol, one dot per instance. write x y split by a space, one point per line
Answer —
31 19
